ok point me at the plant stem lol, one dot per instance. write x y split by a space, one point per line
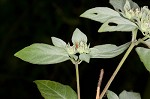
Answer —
77 78
99 83
117 69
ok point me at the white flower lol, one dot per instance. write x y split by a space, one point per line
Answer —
70 49
79 46
80 51
139 16
82 47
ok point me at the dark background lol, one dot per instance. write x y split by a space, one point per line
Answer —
24 22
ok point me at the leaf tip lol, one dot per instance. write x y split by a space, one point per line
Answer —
17 54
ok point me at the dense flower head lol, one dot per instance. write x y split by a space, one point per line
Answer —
70 49
140 16
80 48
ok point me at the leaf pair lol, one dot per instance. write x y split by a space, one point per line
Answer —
111 19
40 53
123 95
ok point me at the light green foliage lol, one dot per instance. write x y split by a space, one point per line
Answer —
108 50
144 54
100 14
127 16
117 4
111 95
85 57
39 53
131 11
55 90
123 95
118 24
147 42
78 36
122 4
129 95
58 42
108 16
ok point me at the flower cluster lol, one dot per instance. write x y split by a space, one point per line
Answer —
140 16
78 47
79 51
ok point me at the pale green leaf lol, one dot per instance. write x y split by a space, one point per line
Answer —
147 42
119 4
108 50
111 95
117 24
100 14
127 6
144 54
39 53
131 4
78 36
55 90
129 95
85 57
58 42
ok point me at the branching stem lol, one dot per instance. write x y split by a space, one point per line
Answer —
117 69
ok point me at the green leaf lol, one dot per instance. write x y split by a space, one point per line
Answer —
42 54
147 42
117 24
58 42
112 95
130 4
55 90
129 95
100 14
78 36
85 57
144 54
119 4
108 50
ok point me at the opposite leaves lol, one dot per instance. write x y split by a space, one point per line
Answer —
55 90
123 95
111 19
39 53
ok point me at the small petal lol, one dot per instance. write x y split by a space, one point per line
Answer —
58 42
70 49
78 36
84 57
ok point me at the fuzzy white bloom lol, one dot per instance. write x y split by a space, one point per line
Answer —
139 16
71 49
82 47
